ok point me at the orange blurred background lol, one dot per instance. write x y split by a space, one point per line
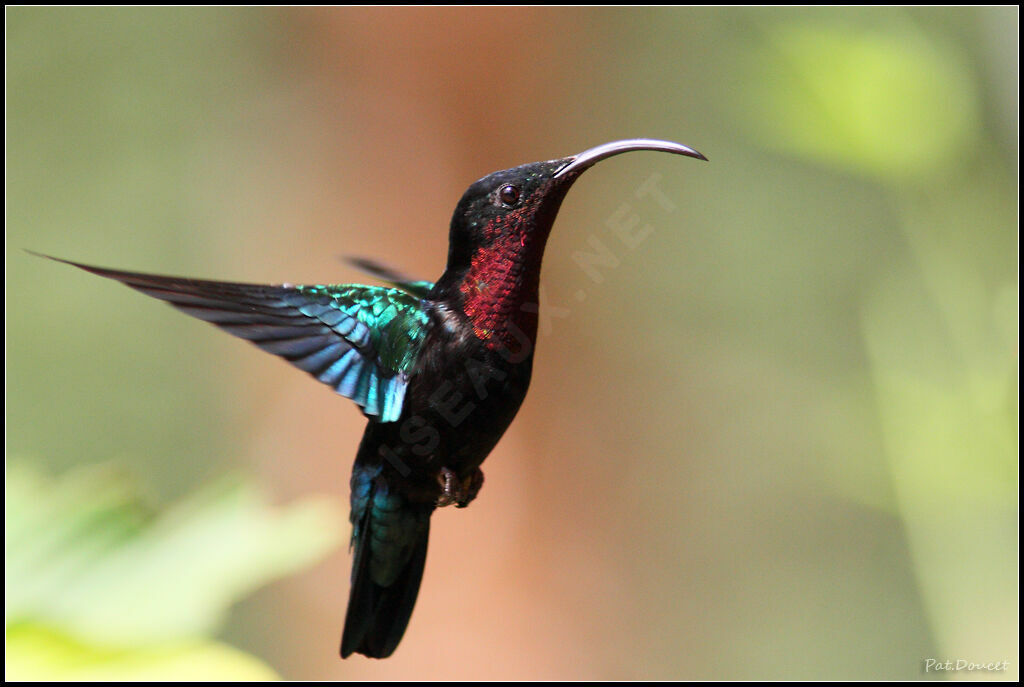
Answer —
706 480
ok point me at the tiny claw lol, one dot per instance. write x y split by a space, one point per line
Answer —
449 482
471 487
458 493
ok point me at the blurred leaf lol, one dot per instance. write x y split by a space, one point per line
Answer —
890 103
941 338
82 556
949 417
948 420
38 653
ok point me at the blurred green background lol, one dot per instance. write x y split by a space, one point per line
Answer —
776 440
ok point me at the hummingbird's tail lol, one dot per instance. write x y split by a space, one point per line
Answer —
389 535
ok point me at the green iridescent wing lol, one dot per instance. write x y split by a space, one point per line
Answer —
360 340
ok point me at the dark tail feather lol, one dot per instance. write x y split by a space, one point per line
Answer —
377 616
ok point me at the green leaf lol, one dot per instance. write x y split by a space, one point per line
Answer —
38 653
889 103
83 556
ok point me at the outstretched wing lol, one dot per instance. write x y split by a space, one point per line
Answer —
360 340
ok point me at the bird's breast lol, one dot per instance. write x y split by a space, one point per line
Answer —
461 398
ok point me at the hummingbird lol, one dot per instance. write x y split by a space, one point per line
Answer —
439 369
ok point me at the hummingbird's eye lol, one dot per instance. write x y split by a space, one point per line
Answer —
508 194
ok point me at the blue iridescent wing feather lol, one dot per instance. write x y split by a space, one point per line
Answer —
362 341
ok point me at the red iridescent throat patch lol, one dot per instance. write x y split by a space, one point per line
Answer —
502 277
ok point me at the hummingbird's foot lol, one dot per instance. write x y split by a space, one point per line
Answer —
471 487
459 492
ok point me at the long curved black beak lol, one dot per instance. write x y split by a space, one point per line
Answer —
587 158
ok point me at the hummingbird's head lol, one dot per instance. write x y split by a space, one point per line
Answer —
513 210
498 234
